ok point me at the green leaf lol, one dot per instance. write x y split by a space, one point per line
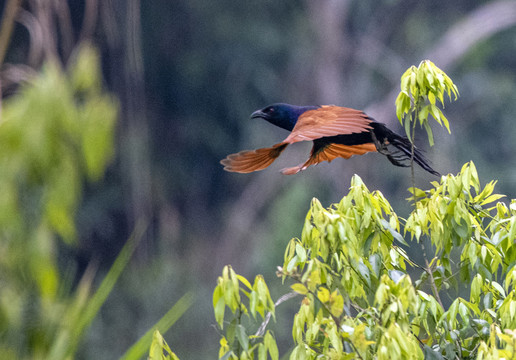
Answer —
219 308
299 288
436 113
430 354
226 355
431 97
244 281
262 352
376 263
301 253
396 275
402 105
408 126
498 288
98 118
396 235
476 288
241 335
429 133
323 295
491 198
159 349
463 311
270 345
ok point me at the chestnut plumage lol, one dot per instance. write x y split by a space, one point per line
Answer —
335 131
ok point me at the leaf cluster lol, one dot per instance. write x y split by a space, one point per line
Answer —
364 298
237 343
421 87
159 349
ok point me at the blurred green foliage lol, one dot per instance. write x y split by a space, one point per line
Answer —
56 133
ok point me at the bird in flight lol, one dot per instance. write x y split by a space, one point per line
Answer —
335 131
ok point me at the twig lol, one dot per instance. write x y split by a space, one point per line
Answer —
282 299
435 291
413 147
428 269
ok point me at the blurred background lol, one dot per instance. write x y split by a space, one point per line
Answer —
188 73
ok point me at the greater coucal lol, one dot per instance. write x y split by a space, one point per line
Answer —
335 131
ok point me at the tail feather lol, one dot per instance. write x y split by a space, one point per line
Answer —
252 160
404 152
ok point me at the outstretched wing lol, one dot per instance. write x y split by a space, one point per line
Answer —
328 121
252 160
329 152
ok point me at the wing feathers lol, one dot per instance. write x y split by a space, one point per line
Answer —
328 121
322 126
312 125
329 153
252 160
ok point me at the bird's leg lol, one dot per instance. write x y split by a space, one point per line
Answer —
381 147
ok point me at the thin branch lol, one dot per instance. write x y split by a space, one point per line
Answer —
413 150
282 299
428 270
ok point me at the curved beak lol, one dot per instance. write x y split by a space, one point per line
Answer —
258 114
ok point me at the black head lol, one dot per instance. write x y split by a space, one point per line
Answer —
282 115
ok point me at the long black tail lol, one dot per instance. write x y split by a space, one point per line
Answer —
403 153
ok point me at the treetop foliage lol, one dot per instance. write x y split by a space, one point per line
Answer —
363 296
421 87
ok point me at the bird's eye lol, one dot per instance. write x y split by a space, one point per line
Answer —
269 110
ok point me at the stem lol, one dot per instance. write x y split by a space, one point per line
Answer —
263 325
239 319
412 150
435 291
428 269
